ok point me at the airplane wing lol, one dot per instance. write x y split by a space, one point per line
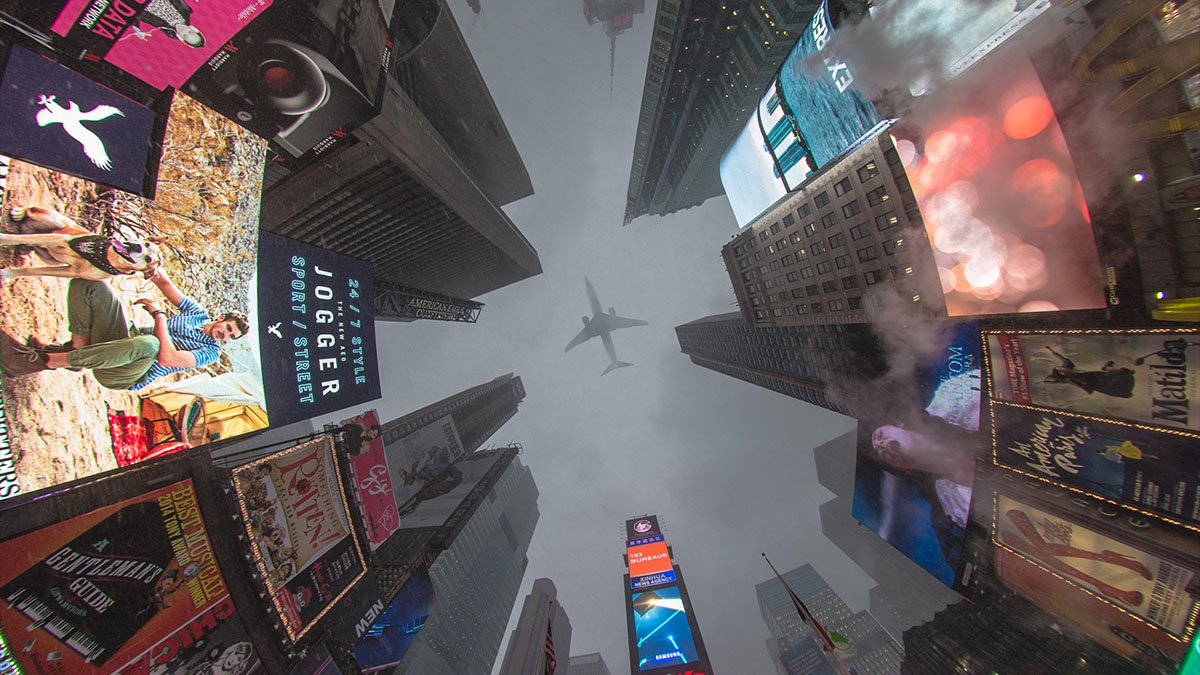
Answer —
584 335
615 322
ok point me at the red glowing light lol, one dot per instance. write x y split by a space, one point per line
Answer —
1028 117
1037 174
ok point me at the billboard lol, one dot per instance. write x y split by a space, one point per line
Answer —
317 329
642 528
422 460
318 662
661 628
161 42
1141 376
372 480
386 642
916 453
132 587
1133 464
80 405
440 495
59 119
1149 586
999 195
649 564
295 512
303 76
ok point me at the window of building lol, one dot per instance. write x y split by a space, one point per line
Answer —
829 286
781 244
877 196
890 246
806 272
823 268
854 303
842 186
810 229
787 311
747 276
753 241
892 157
762 236
797 293
760 314
757 255
867 171
779 280
802 254
787 260
770 250
817 308
873 277
849 282
762 269
867 253
802 309
804 211
772 297
743 263
768 284
837 240
835 305
789 220
817 248
795 237
775 228
829 220
843 261
793 277
774 265
821 200
777 312
886 221
812 290
851 209
858 231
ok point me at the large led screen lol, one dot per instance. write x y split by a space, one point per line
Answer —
57 118
161 42
1141 376
387 640
85 392
133 587
917 445
999 196
661 629
316 325
303 544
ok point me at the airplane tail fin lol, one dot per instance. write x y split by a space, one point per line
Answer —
613 366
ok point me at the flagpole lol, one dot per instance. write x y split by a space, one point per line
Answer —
810 620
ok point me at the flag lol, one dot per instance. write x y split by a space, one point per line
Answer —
809 619
551 663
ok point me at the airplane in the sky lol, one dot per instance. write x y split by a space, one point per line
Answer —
603 325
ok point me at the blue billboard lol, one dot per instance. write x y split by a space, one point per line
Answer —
388 639
664 637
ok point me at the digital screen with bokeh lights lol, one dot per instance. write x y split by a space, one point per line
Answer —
999 195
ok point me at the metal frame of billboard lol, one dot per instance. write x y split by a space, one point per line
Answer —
456 521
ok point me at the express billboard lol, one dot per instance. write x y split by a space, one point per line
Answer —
297 519
916 453
82 391
1147 376
59 119
372 479
161 42
132 587
999 194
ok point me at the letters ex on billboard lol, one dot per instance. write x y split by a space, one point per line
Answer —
316 329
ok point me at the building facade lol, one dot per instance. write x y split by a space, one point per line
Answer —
588 664
476 581
708 65
875 651
819 364
542 638
478 412
848 246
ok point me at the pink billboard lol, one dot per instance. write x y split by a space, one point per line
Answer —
372 480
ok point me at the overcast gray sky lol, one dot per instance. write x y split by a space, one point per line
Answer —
665 436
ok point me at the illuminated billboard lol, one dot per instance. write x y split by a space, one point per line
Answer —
662 631
649 565
372 479
641 528
388 639
298 522
316 325
160 42
917 444
112 395
59 119
1001 201
128 588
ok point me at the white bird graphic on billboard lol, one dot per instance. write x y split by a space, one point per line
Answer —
72 119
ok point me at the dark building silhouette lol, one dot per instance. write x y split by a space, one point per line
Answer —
417 190
478 412
821 364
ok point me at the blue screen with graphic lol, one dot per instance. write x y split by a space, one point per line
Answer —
664 637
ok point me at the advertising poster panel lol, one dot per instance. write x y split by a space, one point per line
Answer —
60 119
422 459
661 628
372 480
1146 585
1150 648
132 587
317 329
296 515
74 412
439 495
302 76
1157 470
161 42
387 641
984 149
649 564
1143 376
916 454
641 528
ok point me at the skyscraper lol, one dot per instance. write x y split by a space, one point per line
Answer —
708 65
542 638
820 364
476 581
875 651
478 412
588 664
